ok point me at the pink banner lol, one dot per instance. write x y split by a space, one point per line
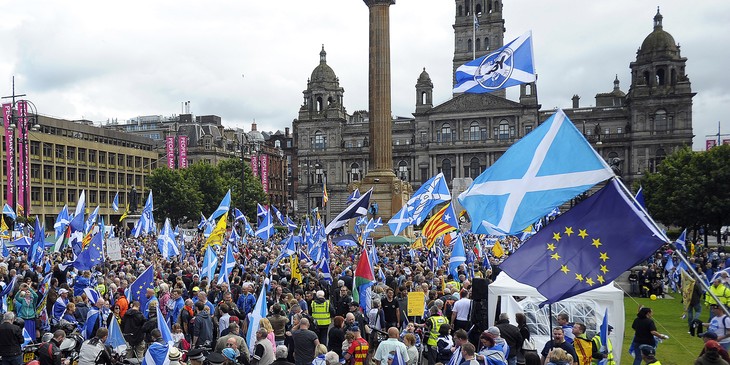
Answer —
255 165
182 150
265 172
170 150
23 162
726 141
10 155
710 143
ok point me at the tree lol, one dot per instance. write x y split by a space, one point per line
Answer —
175 197
253 192
691 189
208 182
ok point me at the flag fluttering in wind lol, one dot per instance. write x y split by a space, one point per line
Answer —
223 207
432 193
166 241
585 247
229 262
547 167
435 227
8 210
216 236
458 257
259 311
356 209
139 287
266 225
364 279
210 264
354 196
115 202
681 242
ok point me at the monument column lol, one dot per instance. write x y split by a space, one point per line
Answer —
381 122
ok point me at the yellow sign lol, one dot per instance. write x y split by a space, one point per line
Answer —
416 303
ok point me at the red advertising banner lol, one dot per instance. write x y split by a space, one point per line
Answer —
10 155
265 172
23 162
182 150
170 150
726 141
255 165
710 143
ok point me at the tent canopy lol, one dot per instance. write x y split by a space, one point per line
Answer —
587 308
394 240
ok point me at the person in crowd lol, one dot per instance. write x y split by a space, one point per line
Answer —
336 335
11 337
93 351
644 332
305 343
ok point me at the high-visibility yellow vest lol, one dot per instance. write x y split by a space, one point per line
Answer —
433 334
720 291
321 313
609 348
454 284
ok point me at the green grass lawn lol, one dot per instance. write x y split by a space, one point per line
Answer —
681 348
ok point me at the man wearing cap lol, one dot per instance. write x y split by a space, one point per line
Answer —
711 354
196 357
709 336
719 325
59 307
606 353
215 358
558 340
322 313
358 350
647 354
174 355
499 342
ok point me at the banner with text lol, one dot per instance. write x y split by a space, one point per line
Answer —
710 143
170 150
255 165
265 172
182 150
113 249
10 155
23 163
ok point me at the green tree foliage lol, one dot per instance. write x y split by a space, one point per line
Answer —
208 182
175 197
691 189
230 172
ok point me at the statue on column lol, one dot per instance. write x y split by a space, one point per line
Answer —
133 200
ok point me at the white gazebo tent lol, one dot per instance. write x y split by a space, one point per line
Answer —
587 308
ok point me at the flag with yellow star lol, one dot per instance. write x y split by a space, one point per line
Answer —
587 247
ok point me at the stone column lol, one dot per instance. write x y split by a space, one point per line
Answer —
381 145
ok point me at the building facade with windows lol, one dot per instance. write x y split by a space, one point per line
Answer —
69 157
463 136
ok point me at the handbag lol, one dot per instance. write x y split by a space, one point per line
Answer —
529 345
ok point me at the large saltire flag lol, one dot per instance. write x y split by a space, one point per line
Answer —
435 227
115 202
259 311
223 207
357 209
216 236
510 65
265 228
432 193
62 220
210 263
543 170
229 262
166 241
587 247
364 279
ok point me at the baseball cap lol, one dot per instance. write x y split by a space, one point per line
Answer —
710 335
647 350
196 354
712 345
61 291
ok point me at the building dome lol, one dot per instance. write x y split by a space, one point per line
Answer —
254 136
658 42
424 79
323 73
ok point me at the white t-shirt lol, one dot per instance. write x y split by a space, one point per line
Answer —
719 326
461 308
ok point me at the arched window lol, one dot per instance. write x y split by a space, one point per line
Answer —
445 134
446 169
320 140
460 11
355 171
319 104
477 45
486 43
474 168
503 131
478 9
319 173
277 143
654 163
403 172
647 79
468 45
660 121
660 76
424 97
474 131
612 154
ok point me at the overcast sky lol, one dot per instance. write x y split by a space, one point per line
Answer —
246 59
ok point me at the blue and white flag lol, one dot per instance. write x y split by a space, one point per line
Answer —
27 340
157 354
259 311
116 339
92 295
91 220
203 222
400 221
247 227
640 197
166 241
432 193
266 226
354 196
603 333
229 262
681 242
509 65
237 215
290 224
210 263
8 210
37 248
223 207
115 202
62 220
356 209
458 257
278 215
544 169
92 254
261 211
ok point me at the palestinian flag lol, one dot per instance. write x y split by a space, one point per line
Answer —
364 279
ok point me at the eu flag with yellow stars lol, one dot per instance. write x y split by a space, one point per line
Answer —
587 247
92 254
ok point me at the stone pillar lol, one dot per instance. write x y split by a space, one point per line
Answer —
381 122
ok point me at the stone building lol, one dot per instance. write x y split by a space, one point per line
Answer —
461 137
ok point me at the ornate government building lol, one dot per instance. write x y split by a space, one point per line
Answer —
465 135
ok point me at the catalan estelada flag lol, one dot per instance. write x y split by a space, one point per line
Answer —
436 227
325 197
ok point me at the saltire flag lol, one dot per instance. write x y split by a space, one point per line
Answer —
584 248
290 224
364 279
261 211
603 333
62 220
166 241
37 247
640 197
203 222
147 220
216 236
266 225
229 262
237 215
428 196
234 238
458 257
325 197
354 196
510 65
92 295
356 209
91 220
278 215
81 204
115 339
210 263
476 26
8 210
435 227
544 169
139 287
92 254
6 291
259 311
223 207
27 339
324 264
115 202
681 242
247 227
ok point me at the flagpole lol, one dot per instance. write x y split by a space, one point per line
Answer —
676 249
474 35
